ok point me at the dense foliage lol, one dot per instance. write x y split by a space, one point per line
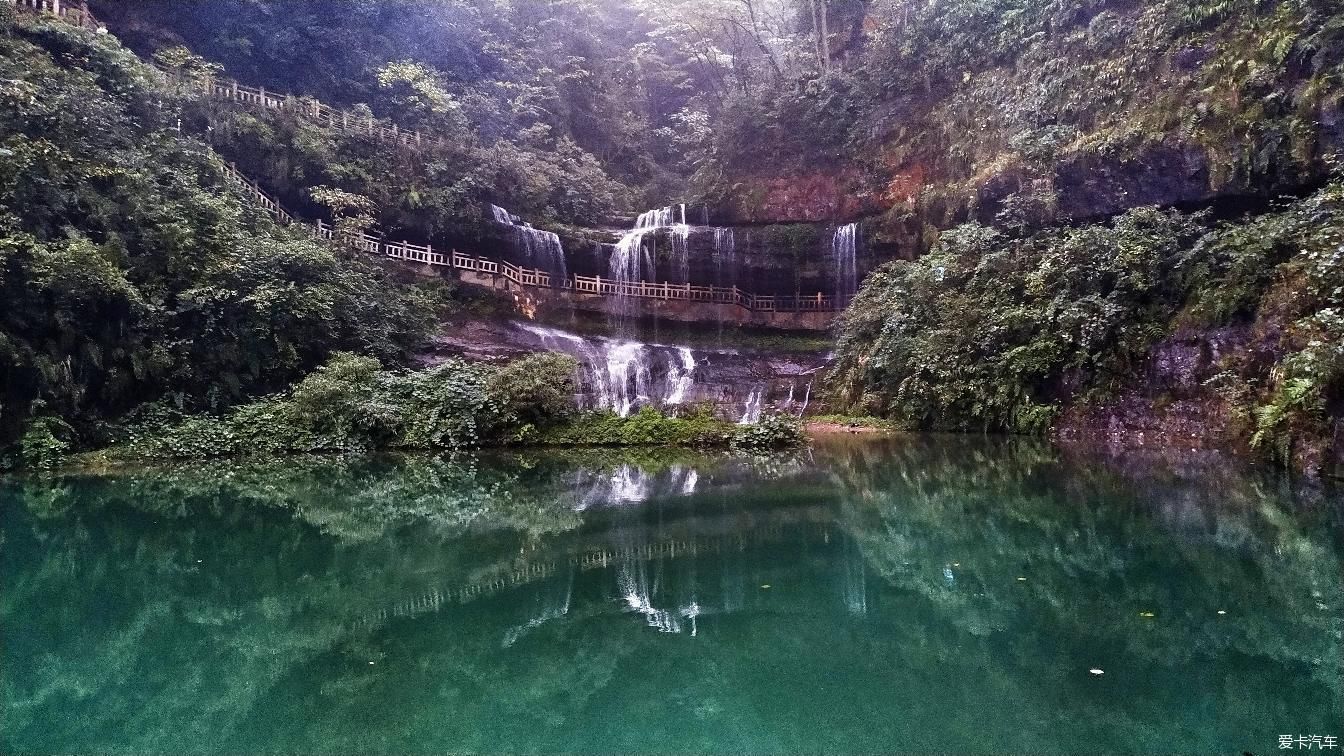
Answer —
994 332
131 272
1045 109
559 111
352 404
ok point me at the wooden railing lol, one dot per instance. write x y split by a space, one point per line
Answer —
374 244
71 11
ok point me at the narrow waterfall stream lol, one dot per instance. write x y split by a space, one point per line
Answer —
542 249
725 257
844 245
752 412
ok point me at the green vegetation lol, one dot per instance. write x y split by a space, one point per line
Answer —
1037 150
854 421
131 273
352 404
1032 111
990 332
560 111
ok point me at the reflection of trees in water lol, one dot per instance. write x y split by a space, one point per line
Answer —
1099 544
294 556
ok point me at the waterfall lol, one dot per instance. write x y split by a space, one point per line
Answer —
623 375
807 395
542 249
679 380
627 368
631 262
681 253
725 256
752 412
843 246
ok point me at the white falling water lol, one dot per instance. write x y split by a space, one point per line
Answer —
542 249
679 380
545 250
752 412
681 252
844 246
807 396
627 376
725 256
631 261
620 373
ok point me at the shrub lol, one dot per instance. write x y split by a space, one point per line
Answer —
772 432
538 389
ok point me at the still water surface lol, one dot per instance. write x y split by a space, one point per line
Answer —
929 594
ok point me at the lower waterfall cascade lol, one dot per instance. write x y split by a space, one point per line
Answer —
622 375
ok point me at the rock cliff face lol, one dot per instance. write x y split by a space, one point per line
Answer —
1175 402
804 197
1050 115
1168 404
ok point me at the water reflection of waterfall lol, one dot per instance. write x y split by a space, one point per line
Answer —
627 484
844 246
551 601
637 594
542 249
854 577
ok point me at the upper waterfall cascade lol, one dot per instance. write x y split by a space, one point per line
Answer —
844 245
541 247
